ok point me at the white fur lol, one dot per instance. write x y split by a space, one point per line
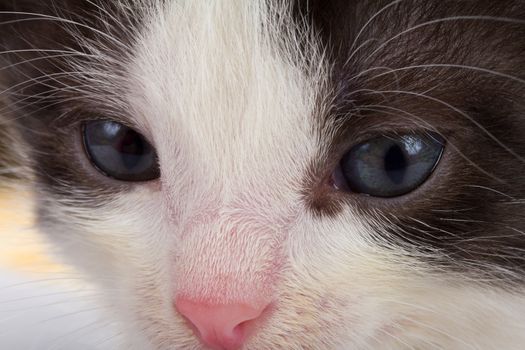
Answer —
231 110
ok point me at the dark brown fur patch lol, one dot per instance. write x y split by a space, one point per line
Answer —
455 67
49 97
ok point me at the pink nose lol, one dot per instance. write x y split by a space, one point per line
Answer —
220 327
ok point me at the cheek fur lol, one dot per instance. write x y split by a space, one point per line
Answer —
342 290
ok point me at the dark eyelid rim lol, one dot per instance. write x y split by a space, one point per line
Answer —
440 169
349 130
80 127
71 119
433 135
351 139
340 198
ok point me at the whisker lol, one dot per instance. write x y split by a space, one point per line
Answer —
82 298
76 291
491 190
448 19
365 26
457 110
458 66
56 318
442 332
381 108
399 340
44 17
55 342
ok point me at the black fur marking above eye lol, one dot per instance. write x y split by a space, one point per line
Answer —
456 67
64 60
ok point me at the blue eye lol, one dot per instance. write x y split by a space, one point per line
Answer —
120 152
390 166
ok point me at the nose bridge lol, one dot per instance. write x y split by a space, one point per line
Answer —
226 276
248 168
230 258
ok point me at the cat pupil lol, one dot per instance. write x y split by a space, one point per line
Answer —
132 149
395 164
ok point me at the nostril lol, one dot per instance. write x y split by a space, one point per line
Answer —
242 329
221 327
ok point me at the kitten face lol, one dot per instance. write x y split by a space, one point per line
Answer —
250 108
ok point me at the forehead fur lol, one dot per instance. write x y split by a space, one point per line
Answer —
224 93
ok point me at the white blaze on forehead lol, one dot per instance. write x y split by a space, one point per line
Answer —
228 106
